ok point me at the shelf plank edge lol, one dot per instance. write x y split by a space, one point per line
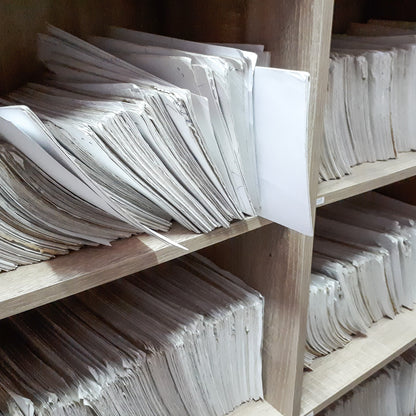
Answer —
35 285
339 372
366 177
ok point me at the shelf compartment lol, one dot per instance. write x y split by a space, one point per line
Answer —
337 373
34 285
367 177
259 408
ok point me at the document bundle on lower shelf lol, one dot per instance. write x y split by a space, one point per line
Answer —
135 130
390 392
370 96
181 339
363 269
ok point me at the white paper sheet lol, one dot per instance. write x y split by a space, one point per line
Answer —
281 99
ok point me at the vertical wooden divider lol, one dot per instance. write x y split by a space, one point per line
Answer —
275 260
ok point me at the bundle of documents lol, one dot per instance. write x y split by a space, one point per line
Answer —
371 91
125 128
181 339
260 124
363 269
224 76
39 218
391 392
142 130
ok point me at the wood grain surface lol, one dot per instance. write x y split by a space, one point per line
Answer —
339 372
34 285
367 177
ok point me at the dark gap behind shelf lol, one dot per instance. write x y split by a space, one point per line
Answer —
359 11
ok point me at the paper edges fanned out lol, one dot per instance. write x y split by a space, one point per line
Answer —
281 104
26 144
281 99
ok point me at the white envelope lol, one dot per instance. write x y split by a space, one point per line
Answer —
281 103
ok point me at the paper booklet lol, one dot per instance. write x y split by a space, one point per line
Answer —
181 339
362 270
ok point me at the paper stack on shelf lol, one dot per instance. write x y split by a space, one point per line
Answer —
371 90
390 392
363 269
223 75
40 218
142 148
251 122
180 339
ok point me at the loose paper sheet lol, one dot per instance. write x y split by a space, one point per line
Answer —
281 99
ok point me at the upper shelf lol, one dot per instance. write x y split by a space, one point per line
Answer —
339 372
367 177
31 286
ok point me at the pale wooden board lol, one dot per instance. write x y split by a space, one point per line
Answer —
340 371
368 176
259 408
298 35
30 286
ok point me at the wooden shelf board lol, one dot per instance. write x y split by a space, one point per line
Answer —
337 373
367 177
259 408
31 286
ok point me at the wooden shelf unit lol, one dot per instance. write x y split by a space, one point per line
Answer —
271 258
367 177
336 374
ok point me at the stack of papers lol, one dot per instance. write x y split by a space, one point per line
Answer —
221 74
181 339
371 90
363 269
142 133
147 129
141 151
40 218
390 392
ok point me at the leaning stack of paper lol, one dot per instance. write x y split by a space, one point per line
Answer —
277 104
41 218
363 269
371 90
390 392
222 75
252 123
181 339
164 129
143 137
141 152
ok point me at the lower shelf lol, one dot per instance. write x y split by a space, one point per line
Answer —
342 370
260 408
